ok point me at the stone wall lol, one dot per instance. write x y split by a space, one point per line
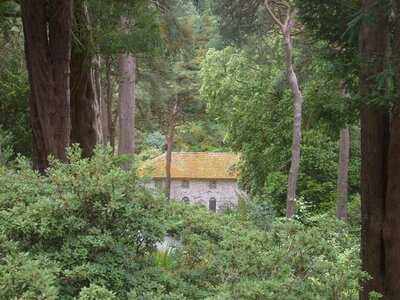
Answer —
225 192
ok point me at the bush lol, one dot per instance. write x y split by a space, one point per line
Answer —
89 230
225 258
95 292
89 220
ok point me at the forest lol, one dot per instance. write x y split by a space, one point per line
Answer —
306 93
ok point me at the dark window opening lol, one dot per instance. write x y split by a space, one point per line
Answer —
185 184
212 184
212 204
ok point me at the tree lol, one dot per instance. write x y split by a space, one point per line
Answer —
391 226
127 103
47 31
285 19
85 98
374 144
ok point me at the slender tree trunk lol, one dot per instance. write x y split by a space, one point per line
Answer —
374 146
168 161
47 31
85 101
297 120
106 107
286 21
343 174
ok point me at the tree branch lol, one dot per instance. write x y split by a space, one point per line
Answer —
271 13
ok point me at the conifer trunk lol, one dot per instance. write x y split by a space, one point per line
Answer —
392 205
106 107
85 98
374 146
47 32
127 65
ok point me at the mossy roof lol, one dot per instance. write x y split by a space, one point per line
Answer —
194 165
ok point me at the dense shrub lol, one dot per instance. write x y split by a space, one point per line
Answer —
87 222
88 230
224 258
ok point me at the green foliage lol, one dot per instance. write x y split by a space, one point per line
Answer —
88 230
246 90
6 150
95 292
14 117
140 35
88 220
224 258
25 278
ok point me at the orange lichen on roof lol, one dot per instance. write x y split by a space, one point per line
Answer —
194 165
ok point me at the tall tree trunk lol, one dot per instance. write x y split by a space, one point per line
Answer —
392 204
297 120
126 142
106 107
374 145
85 101
47 31
343 174
127 100
392 212
168 161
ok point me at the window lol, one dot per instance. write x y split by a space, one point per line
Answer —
186 199
185 184
212 204
212 184
159 184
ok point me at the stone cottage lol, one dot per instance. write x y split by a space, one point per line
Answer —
205 178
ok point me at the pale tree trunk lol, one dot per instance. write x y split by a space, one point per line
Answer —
47 32
343 174
126 142
168 162
85 98
286 27
127 70
172 118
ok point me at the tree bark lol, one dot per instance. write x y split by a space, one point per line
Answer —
127 65
47 32
392 212
297 120
127 101
343 174
106 107
392 205
85 99
374 146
